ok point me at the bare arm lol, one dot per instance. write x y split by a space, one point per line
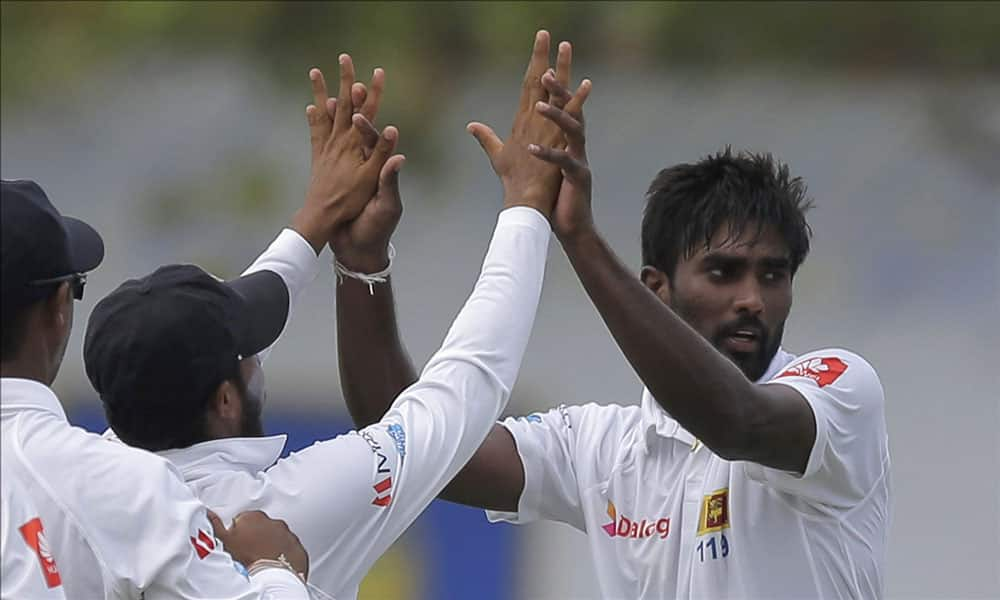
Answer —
697 385
374 365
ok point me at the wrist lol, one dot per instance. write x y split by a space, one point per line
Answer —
306 226
578 237
363 260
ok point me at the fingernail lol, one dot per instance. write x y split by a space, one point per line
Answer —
540 105
314 73
343 58
534 147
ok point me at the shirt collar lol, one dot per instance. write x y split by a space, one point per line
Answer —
21 394
250 454
656 421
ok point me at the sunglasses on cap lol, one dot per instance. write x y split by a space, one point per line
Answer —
77 281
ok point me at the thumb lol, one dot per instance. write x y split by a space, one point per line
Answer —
388 177
487 138
218 528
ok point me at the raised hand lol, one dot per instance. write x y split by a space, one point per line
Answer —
526 181
345 169
362 243
572 213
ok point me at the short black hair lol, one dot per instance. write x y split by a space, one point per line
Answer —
687 204
164 421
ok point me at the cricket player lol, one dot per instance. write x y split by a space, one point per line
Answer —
175 385
745 471
81 517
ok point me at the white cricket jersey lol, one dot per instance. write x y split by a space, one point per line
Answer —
28 567
667 518
103 520
349 498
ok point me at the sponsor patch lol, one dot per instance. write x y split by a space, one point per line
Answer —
399 437
624 527
34 536
203 544
714 512
823 371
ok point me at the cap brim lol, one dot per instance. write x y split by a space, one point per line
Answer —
86 248
266 299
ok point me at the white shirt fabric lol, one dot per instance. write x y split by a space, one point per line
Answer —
349 498
28 567
118 522
667 518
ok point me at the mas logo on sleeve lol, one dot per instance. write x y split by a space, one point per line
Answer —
383 468
714 512
203 544
34 536
824 370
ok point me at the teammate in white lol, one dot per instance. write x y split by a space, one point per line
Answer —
351 496
83 518
745 472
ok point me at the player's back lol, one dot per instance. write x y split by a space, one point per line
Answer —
116 519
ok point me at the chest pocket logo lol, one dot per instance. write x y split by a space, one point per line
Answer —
714 512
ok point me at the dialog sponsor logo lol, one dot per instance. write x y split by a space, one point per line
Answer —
624 527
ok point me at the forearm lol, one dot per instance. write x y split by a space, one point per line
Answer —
698 386
374 365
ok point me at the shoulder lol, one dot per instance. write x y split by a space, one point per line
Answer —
836 371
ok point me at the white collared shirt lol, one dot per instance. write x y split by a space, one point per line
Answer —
104 520
667 518
349 498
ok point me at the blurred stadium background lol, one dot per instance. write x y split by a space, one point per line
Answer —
178 129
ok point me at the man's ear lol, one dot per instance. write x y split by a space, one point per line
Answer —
225 402
657 281
59 307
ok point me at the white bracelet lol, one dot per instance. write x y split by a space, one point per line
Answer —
370 278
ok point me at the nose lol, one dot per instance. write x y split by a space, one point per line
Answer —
749 298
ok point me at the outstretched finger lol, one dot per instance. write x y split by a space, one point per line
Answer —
319 129
383 149
487 138
564 60
531 88
369 134
570 126
342 121
359 93
571 167
559 94
575 105
319 90
371 105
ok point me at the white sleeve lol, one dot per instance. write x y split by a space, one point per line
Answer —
295 261
851 453
382 477
546 443
564 451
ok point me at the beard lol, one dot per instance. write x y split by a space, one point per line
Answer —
252 423
753 364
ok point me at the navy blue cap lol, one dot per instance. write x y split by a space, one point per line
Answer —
38 243
172 336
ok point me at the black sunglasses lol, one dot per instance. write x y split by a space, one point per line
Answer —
77 281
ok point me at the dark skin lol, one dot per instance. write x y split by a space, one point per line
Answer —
694 338
45 336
